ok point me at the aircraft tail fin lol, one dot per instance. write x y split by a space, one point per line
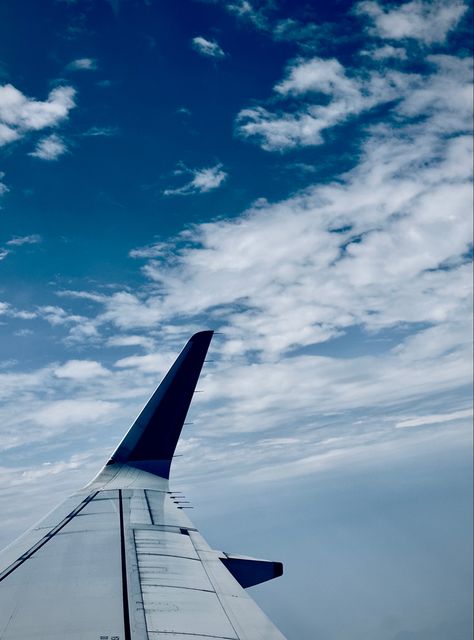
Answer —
151 440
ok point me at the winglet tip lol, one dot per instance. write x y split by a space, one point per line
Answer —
201 334
202 337
278 569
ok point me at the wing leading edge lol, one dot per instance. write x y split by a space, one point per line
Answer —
121 560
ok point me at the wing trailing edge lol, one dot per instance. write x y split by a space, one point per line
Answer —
151 441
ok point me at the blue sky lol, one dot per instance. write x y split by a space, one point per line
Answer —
297 176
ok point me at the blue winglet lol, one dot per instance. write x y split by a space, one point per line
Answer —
151 441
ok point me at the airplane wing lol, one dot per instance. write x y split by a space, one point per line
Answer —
120 560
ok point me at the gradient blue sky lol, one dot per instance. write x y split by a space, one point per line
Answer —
297 176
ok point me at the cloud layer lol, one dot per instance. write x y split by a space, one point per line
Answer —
345 306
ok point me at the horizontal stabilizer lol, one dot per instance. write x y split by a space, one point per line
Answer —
151 441
251 571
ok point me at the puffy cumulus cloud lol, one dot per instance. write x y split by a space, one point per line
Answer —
8 310
203 181
349 95
207 48
81 328
127 310
62 413
83 64
384 245
20 114
49 148
58 316
428 21
380 252
318 75
81 370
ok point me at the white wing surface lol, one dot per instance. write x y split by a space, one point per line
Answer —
120 560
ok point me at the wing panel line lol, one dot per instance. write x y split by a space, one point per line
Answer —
23 558
203 564
126 612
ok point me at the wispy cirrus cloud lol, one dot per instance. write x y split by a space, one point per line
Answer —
441 418
207 48
3 187
385 52
18 241
202 181
152 251
105 132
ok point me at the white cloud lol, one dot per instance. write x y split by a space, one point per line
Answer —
3 187
150 363
130 341
387 51
203 181
379 251
427 21
20 114
152 251
57 316
49 148
379 247
81 370
64 413
105 132
316 74
7 134
349 96
81 295
419 421
18 241
51 469
8 309
208 48
245 10
83 64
